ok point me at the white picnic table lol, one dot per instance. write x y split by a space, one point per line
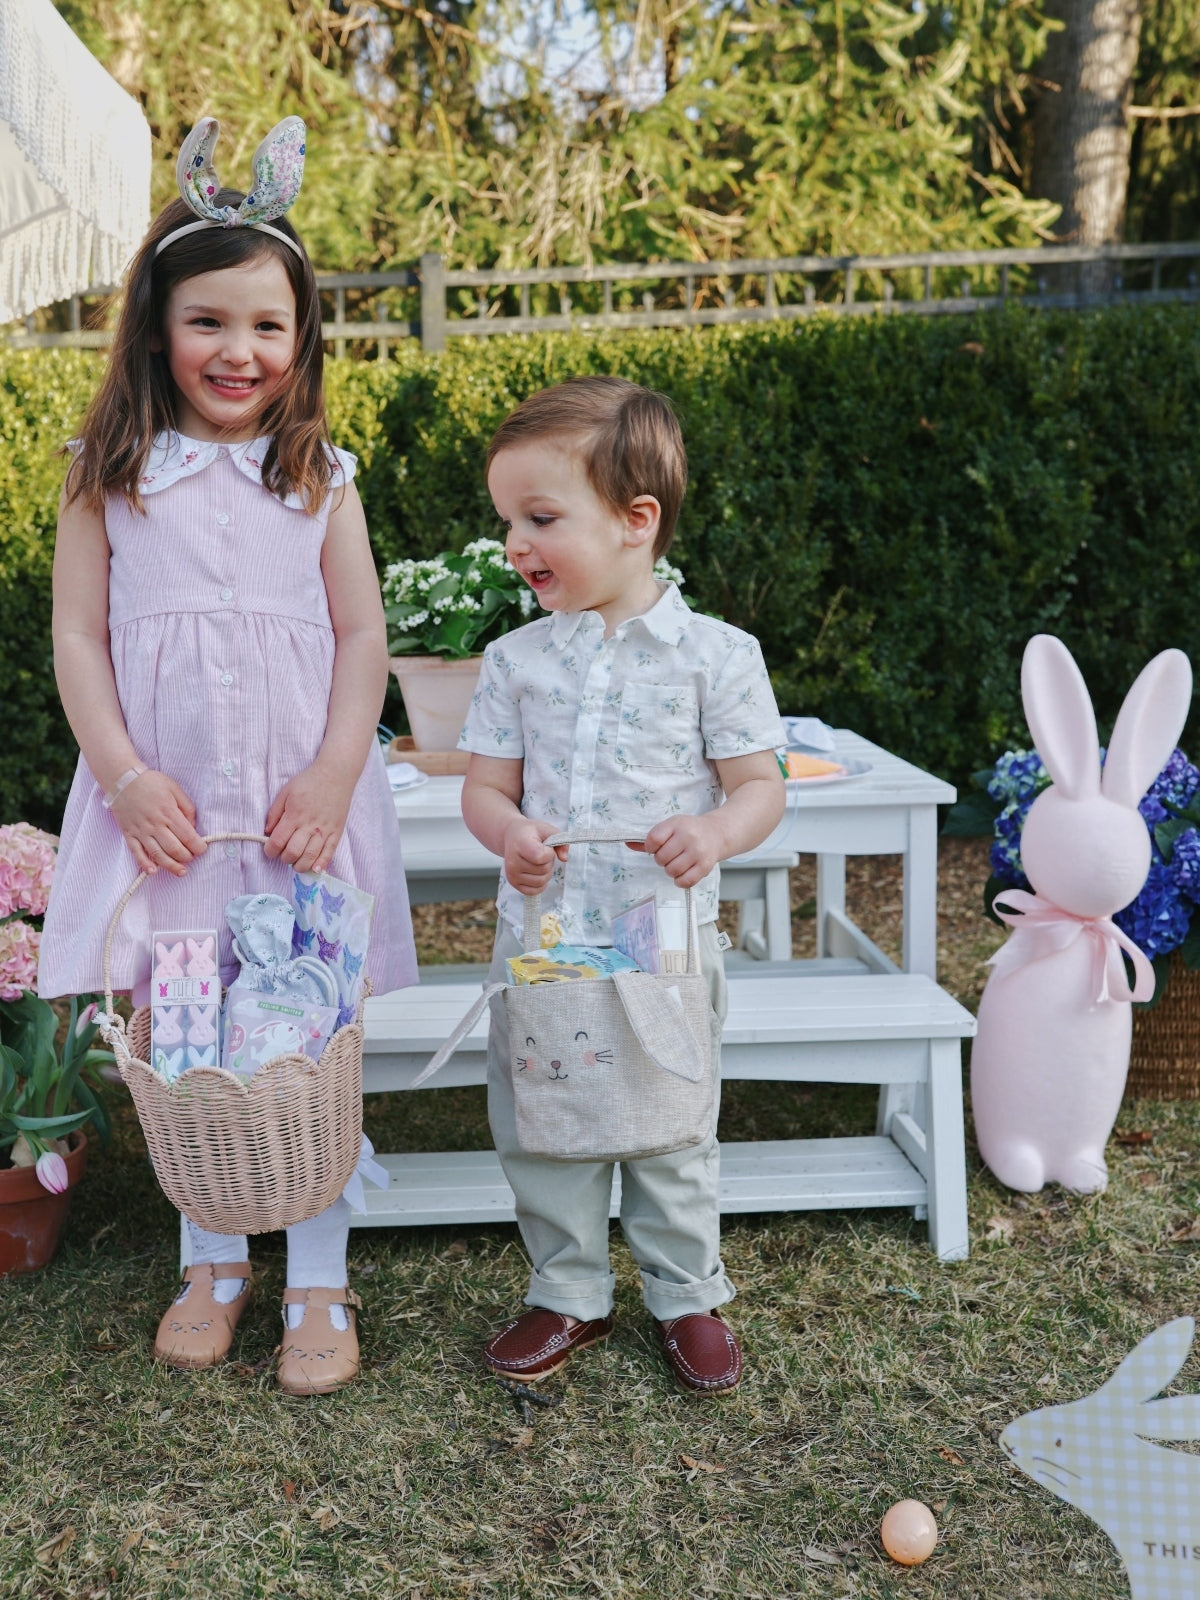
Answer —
851 1015
889 810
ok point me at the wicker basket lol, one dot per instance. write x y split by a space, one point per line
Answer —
1164 1063
243 1155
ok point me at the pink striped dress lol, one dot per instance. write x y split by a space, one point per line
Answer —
222 648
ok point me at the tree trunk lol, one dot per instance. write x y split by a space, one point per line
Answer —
1081 125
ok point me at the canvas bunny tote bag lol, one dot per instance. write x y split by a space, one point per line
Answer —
604 1069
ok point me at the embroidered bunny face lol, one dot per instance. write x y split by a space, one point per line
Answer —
584 1053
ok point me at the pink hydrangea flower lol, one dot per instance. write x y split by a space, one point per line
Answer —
18 959
51 1171
27 857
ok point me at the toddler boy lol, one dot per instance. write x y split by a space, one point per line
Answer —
620 707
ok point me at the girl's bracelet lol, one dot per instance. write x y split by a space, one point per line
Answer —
122 782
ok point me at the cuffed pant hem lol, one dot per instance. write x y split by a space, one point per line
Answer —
666 1300
585 1298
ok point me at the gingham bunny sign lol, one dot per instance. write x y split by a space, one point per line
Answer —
1049 1062
1096 1454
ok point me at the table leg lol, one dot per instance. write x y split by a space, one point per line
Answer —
945 1148
778 914
831 895
920 893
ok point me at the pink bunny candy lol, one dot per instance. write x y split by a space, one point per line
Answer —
169 961
1049 1062
167 1025
200 958
203 1030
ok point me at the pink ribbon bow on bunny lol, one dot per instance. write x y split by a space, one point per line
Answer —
1040 928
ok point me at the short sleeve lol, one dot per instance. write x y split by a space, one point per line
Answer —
493 725
344 466
739 715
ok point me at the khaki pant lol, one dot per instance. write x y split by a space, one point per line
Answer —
669 1212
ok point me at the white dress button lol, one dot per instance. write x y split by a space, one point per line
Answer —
227 768
222 519
231 851
226 594
227 678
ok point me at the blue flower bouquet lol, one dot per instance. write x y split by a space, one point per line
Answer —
1163 917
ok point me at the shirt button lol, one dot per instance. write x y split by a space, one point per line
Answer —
226 594
227 768
231 851
222 519
227 678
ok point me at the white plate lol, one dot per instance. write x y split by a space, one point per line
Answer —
413 779
854 769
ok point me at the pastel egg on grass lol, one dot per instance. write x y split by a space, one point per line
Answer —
909 1532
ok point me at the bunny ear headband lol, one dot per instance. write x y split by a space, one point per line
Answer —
278 173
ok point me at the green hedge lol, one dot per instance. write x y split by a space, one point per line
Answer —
891 505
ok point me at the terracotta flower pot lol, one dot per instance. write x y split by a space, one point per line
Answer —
31 1218
437 696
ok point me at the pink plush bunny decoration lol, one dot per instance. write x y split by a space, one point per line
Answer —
1049 1061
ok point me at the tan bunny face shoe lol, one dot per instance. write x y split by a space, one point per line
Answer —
197 1331
316 1357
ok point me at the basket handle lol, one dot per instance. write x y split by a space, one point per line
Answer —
532 929
112 1023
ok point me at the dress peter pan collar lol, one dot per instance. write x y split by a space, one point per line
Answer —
173 456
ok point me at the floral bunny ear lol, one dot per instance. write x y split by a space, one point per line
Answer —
278 173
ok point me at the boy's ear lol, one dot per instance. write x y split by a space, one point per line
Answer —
642 519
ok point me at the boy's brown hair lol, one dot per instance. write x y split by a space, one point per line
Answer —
629 438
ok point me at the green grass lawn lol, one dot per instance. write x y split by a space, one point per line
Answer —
873 1373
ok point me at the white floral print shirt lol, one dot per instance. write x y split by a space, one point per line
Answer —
624 731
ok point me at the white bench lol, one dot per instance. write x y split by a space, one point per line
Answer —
806 1024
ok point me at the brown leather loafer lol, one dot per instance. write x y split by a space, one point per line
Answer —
702 1352
538 1342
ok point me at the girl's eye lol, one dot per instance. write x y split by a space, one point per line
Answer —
541 520
270 327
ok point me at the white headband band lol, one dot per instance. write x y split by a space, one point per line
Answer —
194 227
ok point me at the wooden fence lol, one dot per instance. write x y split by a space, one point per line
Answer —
366 311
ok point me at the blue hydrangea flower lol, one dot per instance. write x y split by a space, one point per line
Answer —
1158 920
1171 790
1185 863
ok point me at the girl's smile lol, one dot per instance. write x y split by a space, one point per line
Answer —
229 339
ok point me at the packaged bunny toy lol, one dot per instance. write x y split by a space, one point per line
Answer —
185 1002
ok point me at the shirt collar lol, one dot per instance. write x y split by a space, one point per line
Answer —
174 456
667 620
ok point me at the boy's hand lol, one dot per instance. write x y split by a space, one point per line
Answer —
158 820
528 863
307 818
687 848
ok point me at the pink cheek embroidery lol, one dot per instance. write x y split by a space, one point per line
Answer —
589 1058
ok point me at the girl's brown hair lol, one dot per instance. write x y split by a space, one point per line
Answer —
136 399
629 440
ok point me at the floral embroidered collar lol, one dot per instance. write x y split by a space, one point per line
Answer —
667 619
174 456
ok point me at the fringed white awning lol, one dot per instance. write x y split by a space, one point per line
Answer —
74 164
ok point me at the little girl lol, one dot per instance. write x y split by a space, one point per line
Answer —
220 650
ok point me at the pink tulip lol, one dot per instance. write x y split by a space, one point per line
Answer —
51 1172
85 1017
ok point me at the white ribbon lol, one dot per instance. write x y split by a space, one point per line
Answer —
354 1193
1040 928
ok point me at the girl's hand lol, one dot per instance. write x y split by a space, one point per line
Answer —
528 863
686 848
307 818
158 820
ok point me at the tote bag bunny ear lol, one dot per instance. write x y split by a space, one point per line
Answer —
1107 1455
